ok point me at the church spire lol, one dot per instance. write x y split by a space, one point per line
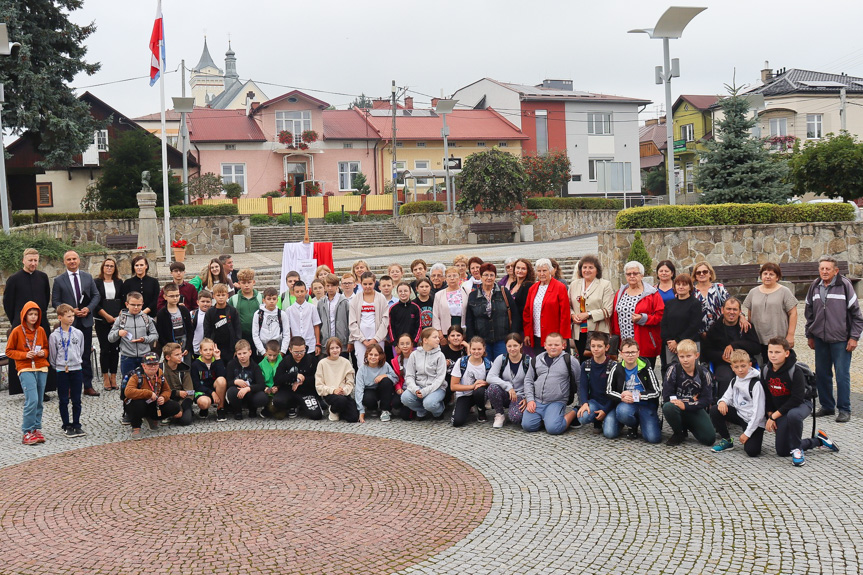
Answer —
231 75
206 60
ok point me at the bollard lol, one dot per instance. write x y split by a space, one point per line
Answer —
291 215
343 214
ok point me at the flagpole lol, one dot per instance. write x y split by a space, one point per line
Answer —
165 175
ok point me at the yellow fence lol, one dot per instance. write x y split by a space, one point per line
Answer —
351 203
252 205
249 206
217 201
282 205
379 203
315 207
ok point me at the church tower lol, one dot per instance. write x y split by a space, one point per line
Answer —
231 76
207 80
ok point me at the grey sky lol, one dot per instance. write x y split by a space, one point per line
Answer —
352 47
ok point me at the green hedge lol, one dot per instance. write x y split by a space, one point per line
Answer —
50 248
336 217
181 211
285 219
426 207
574 204
732 215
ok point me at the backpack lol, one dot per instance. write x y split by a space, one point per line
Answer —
524 362
465 358
609 364
567 359
810 385
261 321
126 314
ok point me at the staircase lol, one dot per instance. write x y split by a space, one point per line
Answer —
354 235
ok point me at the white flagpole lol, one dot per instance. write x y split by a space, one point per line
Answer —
165 175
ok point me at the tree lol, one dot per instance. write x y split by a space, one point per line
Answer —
492 179
638 253
135 151
653 181
233 190
361 101
832 167
738 168
36 77
548 173
207 185
360 184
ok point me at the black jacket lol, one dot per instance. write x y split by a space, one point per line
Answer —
496 327
617 381
720 336
22 287
404 318
286 374
681 320
148 287
113 306
223 327
165 328
204 378
784 393
253 373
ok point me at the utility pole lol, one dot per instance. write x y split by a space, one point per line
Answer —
184 133
843 110
395 164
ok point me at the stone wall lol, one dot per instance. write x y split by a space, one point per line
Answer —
205 234
550 224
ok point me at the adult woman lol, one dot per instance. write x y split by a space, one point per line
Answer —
488 313
110 288
547 308
425 371
524 277
637 312
144 284
508 278
681 319
322 271
474 279
666 272
460 263
710 293
590 301
556 272
772 308
211 275
448 304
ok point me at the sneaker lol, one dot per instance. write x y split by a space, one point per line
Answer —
136 434
826 441
843 417
499 420
253 413
70 432
204 414
153 424
385 416
633 433
29 439
221 415
238 416
125 420
80 431
262 414
293 412
675 439
724 444
333 416
39 437
797 459
481 416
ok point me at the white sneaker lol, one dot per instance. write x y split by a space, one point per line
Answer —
499 420
333 416
385 416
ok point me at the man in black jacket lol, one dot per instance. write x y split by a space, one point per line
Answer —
725 336
295 378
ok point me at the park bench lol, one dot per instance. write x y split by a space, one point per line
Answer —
492 228
121 242
744 276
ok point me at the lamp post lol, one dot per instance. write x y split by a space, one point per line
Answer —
670 25
184 106
443 108
5 50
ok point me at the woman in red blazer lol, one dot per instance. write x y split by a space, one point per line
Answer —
551 298
637 311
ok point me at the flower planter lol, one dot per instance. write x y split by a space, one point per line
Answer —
179 254
526 232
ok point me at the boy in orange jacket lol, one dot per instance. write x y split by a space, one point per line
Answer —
28 346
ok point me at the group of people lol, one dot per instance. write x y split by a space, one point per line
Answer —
526 343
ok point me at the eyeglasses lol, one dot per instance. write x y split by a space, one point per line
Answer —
629 274
629 352
298 351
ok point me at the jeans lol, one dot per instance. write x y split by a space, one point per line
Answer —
789 431
495 349
697 421
610 427
752 447
33 384
550 414
431 403
641 413
69 385
127 364
830 356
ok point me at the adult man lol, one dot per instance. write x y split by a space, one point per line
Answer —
227 262
833 327
27 284
77 288
725 336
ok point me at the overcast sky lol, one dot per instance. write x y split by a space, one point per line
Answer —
335 49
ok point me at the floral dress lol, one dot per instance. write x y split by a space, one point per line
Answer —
711 305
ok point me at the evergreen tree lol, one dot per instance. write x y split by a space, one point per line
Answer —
738 168
638 253
494 179
361 101
36 77
361 185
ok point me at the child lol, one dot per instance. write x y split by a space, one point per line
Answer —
334 381
177 376
245 382
397 272
386 286
269 365
65 350
425 371
404 348
222 323
174 323
28 346
596 405
453 351
247 301
786 404
135 331
147 394
549 386
425 302
687 394
741 404
295 378
318 292
349 285
375 384
404 316
469 382
304 319
286 299
334 311
506 382
369 316
270 323
188 292
205 300
634 385
209 379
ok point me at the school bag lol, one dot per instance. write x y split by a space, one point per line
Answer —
465 358
810 386
524 363
567 359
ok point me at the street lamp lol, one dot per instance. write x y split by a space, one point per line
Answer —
670 25
184 106
5 50
444 107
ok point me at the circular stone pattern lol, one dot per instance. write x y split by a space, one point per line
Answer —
240 502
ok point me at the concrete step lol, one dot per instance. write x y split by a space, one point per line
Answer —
354 235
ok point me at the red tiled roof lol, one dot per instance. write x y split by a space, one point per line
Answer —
656 133
651 161
463 125
297 94
208 125
170 116
347 125
700 102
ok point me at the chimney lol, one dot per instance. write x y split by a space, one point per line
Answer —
255 106
409 102
434 102
766 73
248 104
651 122
381 104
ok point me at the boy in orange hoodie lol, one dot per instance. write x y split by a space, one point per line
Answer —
28 346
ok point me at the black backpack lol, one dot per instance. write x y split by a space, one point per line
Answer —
567 359
810 386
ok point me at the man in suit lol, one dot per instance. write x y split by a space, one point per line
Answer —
77 288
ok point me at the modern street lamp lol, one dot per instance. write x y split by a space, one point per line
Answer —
5 50
670 25
443 108
184 106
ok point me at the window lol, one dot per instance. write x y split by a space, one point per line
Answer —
296 122
230 146
480 144
421 165
421 144
778 127
610 176
599 123
814 127
348 145
575 178
687 132
234 173
501 144
101 140
347 172
541 131
45 195
400 144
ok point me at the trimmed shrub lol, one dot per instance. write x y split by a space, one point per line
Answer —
50 248
285 219
336 217
273 194
372 217
638 253
183 211
574 204
731 215
179 211
425 207
261 220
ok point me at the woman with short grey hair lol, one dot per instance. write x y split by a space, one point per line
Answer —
546 309
637 311
508 276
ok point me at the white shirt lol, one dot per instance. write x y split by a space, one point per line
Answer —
72 282
199 330
304 317
110 292
333 304
537 309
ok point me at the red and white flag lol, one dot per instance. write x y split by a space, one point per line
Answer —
157 46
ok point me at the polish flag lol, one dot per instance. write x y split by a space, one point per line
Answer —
157 38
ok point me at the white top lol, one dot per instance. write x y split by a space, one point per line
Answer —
199 329
332 303
537 309
367 320
303 320
110 292
472 373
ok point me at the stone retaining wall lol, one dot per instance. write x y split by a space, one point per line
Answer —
89 262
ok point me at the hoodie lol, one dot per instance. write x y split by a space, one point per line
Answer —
289 369
547 381
784 392
425 371
204 376
138 325
749 406
178 379
22 340
66 349
501 374
268 325
696 391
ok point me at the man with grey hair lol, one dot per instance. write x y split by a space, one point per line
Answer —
833 328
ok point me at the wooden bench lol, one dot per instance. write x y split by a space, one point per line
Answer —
492 228
796 273
122 242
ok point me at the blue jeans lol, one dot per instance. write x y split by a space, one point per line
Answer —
127 364
431 403
33 384
495 349
610 427
830 356
69 385
550 414
642 413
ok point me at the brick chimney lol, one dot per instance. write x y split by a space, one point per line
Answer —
766 73
651 122
381 104
409 103
434 102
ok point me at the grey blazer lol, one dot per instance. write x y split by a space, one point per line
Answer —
64 292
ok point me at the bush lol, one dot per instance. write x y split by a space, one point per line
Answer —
732 215
285 219
336 217
273 194
373 217
50 248
194 211
574 204
261 220
426 207
178 211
